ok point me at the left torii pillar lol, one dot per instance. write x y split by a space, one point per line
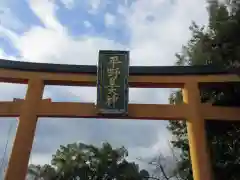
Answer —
18 161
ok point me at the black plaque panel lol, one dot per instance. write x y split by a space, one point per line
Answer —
112 85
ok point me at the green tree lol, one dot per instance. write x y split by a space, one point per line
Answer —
216 44
38 172
86 162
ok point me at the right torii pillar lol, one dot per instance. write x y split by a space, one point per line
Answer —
199 152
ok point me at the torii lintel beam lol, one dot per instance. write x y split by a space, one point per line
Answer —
140 76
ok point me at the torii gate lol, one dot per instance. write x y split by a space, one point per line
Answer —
37 75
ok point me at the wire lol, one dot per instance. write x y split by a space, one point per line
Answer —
2 167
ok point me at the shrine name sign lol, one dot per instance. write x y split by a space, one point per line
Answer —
112 82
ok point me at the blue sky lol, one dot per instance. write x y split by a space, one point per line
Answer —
72 32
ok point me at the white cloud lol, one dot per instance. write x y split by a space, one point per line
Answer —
45 11
9 35
87 24
9 20
155 42
161 146
69 4
109 19
53 43
3 55
41 159
151 42
94 5
59 47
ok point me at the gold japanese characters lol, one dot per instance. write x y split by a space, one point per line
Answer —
113 73
113 70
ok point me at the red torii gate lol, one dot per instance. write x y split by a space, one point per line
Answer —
37 75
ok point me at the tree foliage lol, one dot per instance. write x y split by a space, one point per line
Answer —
87 162
217 44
